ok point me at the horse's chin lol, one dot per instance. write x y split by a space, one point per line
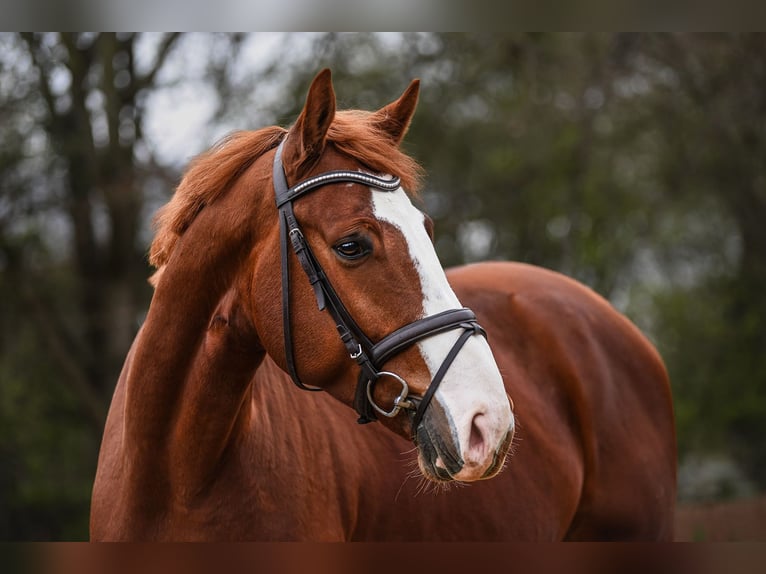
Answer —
431 460
436 473
432 472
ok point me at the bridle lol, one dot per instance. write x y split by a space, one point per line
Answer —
368 355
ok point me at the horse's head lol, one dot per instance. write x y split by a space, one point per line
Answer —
369 252
341 284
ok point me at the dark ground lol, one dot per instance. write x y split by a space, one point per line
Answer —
741 520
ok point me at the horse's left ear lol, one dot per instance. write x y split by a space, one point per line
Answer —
306 139
394 119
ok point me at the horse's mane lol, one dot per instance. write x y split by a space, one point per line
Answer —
210 174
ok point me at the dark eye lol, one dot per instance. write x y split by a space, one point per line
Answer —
353 248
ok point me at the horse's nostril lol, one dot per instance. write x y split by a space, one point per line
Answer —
476 441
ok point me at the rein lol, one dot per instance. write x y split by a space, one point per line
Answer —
368 355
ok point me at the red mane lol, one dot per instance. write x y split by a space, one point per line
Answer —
211 173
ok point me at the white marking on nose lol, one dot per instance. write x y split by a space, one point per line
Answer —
472 391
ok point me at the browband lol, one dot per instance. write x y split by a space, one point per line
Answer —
335 177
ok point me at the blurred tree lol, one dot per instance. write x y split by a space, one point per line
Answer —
85 95
709 111
75 169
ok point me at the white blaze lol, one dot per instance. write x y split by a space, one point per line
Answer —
473 384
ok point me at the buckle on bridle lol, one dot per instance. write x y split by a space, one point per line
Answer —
296 239
400 402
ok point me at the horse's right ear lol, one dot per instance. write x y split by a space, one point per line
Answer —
306 139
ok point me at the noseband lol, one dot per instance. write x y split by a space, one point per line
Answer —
368 355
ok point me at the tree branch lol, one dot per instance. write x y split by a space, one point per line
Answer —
148 79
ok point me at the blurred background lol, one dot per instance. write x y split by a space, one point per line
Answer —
635 163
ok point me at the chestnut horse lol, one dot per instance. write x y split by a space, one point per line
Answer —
296 255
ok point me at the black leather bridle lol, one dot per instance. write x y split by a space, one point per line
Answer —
368 355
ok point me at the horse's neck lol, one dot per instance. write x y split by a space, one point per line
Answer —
189 372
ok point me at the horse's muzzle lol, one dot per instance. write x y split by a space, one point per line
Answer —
444 458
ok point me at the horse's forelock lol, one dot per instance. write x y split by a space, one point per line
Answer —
354 134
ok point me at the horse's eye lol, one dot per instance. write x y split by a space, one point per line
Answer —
352 248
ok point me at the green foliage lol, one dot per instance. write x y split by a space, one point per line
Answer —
48 449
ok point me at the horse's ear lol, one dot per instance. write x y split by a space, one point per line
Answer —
394 119
306 140
428 223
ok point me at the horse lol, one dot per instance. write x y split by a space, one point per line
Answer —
296 282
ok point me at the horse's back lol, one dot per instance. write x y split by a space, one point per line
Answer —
583 376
